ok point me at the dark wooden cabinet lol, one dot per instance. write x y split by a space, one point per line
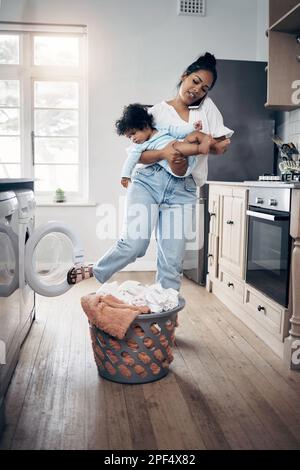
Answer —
279 8
283 55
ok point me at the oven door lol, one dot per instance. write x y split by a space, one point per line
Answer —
268 255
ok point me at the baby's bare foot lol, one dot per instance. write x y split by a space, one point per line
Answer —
221 146
203 148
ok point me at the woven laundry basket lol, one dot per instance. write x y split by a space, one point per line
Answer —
144 354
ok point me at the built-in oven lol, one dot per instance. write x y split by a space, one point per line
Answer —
269 242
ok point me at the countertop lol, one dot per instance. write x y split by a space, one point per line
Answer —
261 184
8 184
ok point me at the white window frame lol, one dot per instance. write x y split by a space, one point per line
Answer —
27 73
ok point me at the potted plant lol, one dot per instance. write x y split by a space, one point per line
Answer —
60 195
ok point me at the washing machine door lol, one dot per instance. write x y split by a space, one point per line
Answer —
50 252
9 261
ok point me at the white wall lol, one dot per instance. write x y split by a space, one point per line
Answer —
262 26
137 51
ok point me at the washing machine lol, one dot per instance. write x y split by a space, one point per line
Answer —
9 289
26 215
50 251
37 260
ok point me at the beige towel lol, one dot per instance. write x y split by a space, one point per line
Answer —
110 314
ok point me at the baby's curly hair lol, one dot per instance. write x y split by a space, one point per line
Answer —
135 116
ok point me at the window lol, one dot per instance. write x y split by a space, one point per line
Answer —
43 107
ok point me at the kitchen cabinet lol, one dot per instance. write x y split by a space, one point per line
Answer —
268 314
226 246
283 71
226 266
232 230
233 287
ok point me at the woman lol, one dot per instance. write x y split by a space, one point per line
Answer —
159 199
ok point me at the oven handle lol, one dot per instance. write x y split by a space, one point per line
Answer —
262 215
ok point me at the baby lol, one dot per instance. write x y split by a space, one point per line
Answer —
138 125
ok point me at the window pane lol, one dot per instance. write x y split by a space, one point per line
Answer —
53 50
9 49
9 121
56 123
55 94
9 93
10 171
10 149
56 150
52 177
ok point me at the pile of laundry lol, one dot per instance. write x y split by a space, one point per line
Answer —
110 314
114 307
153 296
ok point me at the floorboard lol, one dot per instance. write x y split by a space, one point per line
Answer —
225 390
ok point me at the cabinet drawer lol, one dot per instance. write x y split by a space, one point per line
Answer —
233 287
267 313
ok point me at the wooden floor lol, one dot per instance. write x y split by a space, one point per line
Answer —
225 390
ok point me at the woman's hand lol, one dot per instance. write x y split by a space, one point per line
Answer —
177 162
172 155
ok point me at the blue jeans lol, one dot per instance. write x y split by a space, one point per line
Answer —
155 200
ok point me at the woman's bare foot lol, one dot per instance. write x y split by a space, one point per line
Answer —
203 148
79 273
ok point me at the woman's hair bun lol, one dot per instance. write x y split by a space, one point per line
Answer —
207 62
208 59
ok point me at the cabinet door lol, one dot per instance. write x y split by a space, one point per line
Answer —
237 241
232 233
283 71
226 227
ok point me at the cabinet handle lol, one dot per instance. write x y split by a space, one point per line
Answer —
230 284
229 222
260 307
212 214
210 255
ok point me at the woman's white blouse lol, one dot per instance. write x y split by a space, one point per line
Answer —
212 123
